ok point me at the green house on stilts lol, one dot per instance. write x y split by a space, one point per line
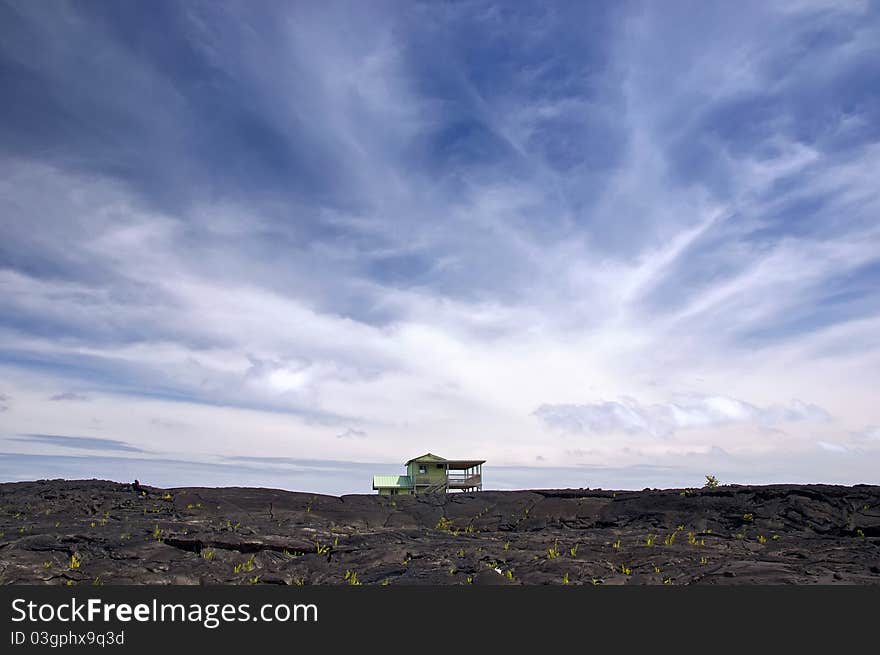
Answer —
430 473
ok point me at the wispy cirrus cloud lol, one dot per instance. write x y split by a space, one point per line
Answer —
69 396
871 433
86 443
664 419
832 447
422 222
351 433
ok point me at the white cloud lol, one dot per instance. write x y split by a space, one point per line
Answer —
871 433
665 419
832 447
69 396
352 433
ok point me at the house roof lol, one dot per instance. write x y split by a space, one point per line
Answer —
392 481
427 457
462 464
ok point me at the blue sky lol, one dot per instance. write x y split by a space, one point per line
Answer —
590 242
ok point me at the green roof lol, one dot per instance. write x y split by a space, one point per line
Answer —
392 481
427 457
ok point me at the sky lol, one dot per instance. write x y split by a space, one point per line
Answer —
293 244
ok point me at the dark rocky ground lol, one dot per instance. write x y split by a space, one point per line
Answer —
97 532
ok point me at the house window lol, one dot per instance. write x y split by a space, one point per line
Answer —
394 492
439 466
423 468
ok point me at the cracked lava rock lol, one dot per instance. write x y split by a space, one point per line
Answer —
98 532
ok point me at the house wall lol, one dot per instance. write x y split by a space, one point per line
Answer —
386 491
435 474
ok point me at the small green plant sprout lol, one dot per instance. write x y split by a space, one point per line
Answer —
596 582
703 560
574 550
97 582
125 536
625 569
57 524
47 564
506 546
865 508
92 524
191 506
616 545
247 566
508 574
679 528
443 524
385 582
711 482
650 540
565 578
748 516
321 549
460 552
762 539
553 551
167 496
667 580
469 580
254 580
656 568
335 542
75 562
299 582
452 570
860 532
207 554
692 539
740 535
670 539
775 537
157 533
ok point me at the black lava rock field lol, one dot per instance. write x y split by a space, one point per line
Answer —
81 532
